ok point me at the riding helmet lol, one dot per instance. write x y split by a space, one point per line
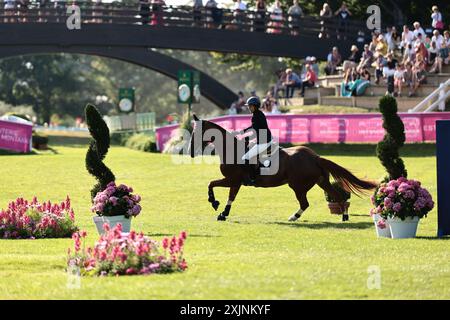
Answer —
253 101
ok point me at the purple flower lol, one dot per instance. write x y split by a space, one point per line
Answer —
388 203
397 207
113 201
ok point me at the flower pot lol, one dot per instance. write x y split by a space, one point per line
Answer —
401 229
382 230
112 222
338 207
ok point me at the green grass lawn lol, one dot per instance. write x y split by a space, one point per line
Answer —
256 254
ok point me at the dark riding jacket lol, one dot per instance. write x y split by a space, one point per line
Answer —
259 122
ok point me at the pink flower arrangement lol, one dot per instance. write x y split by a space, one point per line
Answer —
24 219
117 201
401 198
117 253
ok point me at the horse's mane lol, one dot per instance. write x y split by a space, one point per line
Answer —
218 127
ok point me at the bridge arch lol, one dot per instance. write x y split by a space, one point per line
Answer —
211 89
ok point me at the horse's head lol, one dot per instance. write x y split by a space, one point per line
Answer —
197 145
204 134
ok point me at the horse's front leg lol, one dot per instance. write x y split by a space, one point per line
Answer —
216 183
231 196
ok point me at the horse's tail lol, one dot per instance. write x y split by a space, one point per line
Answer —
348 180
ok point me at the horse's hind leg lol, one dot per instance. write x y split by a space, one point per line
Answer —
231 196
300 193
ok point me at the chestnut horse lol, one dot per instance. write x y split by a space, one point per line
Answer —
300 167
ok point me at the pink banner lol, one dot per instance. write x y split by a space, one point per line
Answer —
15 136
328 128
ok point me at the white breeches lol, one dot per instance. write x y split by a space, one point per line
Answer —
255 150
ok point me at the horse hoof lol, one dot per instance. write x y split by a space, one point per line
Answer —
215 204
293 218
345 217
220 217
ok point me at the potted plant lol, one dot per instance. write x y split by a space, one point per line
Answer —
112 204
337 203
401 203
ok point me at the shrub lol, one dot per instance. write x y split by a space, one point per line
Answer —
394 139
120 138
402 198
344 195
98 148
23 219
127 254
116 201
141 142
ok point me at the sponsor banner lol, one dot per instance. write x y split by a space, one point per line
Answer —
328 128
15 136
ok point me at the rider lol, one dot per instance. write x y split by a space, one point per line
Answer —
263 135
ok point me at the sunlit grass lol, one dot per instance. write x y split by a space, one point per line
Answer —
255 254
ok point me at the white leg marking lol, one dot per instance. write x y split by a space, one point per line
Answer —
296 215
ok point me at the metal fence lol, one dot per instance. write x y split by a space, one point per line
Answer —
156 15
131 122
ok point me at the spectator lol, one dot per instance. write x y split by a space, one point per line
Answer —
239 8
442 55
292 81
315 65
309 80
23 8
421 76
351 62
144 12
437 21
438 38
213 15
333 60
276 17
344 15
394 40
407 37
388 72
157 12
197 12
260 18
10 5
279 86
433 52
232 110
269 102
379 65
366 58
295 12
398 80
326 15
365 74
240 103
421 51
381 48
409 79
418 29
409 55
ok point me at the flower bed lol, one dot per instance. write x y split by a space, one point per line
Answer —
401 198
117 253
23 220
